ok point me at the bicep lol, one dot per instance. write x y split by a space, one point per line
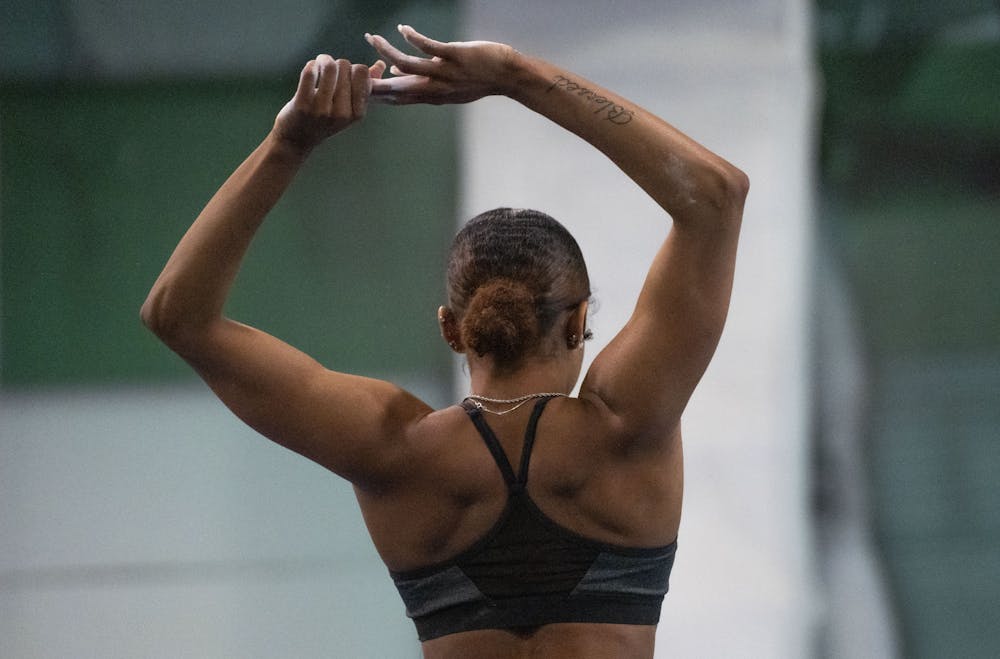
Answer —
648 372
352 425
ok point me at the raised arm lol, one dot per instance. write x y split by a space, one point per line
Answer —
646 375
340 421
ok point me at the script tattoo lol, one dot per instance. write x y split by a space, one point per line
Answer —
612 112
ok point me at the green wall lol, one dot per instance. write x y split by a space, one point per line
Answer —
98 181
143 520
910 188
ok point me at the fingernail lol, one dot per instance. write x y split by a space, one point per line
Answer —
400 27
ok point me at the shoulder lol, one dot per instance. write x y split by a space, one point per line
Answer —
623 430
364 427
421 443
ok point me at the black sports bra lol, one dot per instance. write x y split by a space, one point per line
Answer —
529 571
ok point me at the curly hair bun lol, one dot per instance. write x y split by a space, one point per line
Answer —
501 321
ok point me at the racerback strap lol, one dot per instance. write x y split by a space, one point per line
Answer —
518 481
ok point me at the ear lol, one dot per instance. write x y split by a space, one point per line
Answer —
449 329
576 326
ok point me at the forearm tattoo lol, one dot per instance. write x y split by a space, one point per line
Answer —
609 110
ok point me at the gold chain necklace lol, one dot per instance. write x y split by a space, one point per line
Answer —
478 401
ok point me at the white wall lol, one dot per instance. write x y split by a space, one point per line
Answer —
154 524
735 75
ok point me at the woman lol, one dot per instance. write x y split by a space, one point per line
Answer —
574 561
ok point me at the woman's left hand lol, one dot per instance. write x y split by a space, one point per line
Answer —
455 72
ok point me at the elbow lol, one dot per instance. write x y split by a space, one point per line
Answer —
162 318
723 195
738 184
153 315
716 192
708 188
183 328
732 187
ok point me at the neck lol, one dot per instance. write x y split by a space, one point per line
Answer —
529 379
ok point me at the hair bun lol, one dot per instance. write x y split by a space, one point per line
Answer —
501 321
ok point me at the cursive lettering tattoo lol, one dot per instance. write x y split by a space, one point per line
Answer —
608 109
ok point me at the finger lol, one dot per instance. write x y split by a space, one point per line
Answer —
377 69
384 91
406 63
360 85
403 90
423 43
342 106
307 82
327 79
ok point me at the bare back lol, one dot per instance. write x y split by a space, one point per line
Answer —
455 493
559 641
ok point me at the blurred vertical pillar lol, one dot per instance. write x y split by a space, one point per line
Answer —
858 623
736 76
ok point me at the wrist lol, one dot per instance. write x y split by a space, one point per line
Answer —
286 148
522 76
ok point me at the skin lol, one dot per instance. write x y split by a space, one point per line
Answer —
607 464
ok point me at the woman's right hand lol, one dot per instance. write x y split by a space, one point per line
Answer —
332 95
455 72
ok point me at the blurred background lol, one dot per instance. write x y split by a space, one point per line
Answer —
842 452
